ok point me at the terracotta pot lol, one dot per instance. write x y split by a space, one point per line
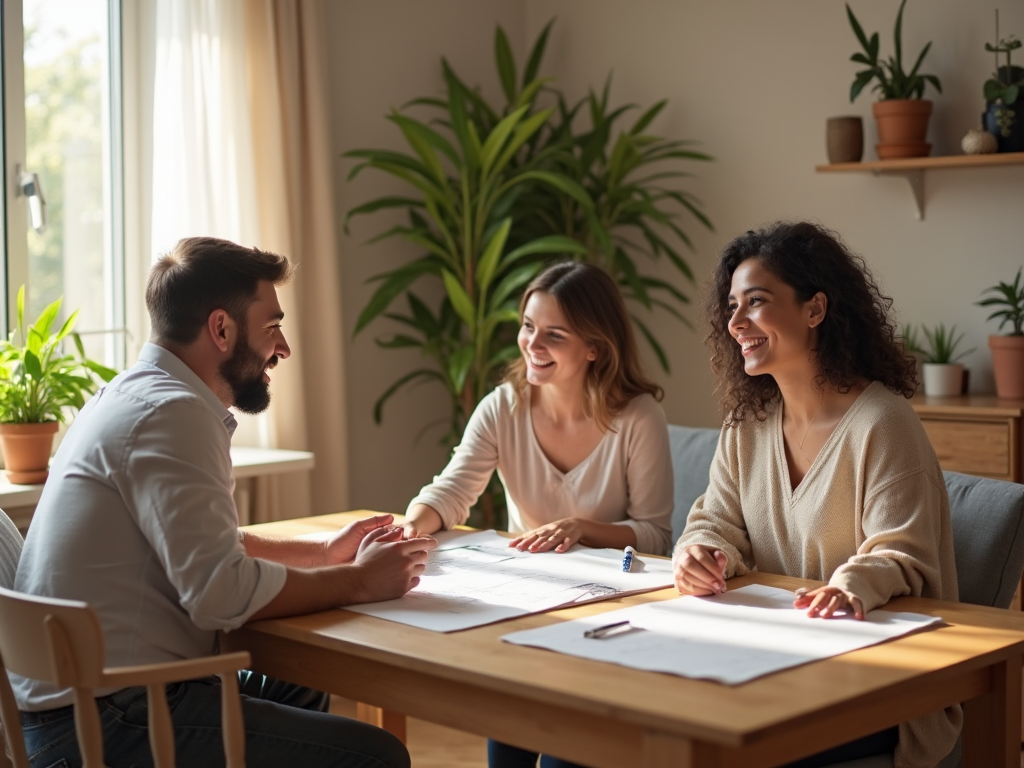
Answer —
1008 365
902 127
26 449
943 379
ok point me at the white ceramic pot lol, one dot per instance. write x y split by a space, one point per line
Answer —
943 379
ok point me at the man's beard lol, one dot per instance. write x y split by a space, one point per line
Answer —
243 372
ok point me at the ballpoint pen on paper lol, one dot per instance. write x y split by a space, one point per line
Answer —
628 559
598 632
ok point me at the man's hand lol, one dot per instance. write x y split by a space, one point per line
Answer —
700 571
825 602
388 565
342 547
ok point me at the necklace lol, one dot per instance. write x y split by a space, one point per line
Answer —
811 423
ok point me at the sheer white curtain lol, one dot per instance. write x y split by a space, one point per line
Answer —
203 164
206 181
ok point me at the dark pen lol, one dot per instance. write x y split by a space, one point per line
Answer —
598 632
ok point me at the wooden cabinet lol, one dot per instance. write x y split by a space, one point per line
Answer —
975 434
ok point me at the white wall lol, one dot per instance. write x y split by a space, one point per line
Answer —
753 82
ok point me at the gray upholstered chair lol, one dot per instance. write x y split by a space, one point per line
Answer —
988 543
987 517
692 452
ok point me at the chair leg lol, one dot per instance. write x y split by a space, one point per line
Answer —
87 726
231 721
161 732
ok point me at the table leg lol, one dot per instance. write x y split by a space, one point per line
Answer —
392 722
662 750
992 722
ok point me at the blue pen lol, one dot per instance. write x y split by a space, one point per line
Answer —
627 559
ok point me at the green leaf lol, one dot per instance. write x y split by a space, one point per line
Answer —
398 341
492 253
460 299
647 117
513 281
536 55
393 284
546 244
653 342
506 64
496 140
458 367
32 366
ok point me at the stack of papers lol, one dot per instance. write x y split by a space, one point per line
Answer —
476 578
731 638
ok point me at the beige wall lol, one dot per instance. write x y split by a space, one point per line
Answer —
753 82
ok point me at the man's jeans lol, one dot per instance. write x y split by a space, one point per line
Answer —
285 725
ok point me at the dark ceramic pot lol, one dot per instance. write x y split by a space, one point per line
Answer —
1007 125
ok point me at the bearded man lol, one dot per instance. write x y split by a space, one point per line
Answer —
137 519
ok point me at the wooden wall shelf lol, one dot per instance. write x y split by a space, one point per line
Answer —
913 168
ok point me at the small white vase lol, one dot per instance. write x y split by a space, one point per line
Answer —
943 379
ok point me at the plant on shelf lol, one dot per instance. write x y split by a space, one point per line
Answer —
1007 300
1002 92
942 372
39 383
902 112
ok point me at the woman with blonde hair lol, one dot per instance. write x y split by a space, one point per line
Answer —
575 431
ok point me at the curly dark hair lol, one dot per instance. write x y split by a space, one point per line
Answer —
856 340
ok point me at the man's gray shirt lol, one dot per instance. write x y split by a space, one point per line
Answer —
137 519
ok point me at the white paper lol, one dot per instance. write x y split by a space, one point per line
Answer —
731 638
475 578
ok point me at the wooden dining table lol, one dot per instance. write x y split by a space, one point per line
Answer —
608 716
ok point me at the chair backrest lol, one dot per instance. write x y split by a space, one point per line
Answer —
10 550
59 642
987 517
692 450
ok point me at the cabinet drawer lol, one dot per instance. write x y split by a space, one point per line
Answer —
974 448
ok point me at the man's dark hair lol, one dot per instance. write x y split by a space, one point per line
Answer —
203 274
856 340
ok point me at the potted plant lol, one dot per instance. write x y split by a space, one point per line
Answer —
901 114
943 375
1003 117
38 381
1007 351
912 346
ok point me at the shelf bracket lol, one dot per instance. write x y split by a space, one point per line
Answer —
916 180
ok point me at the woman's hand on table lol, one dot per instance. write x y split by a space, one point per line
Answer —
421 520
700 571
558 536
343 546
825 602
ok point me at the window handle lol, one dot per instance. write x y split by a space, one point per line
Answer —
30 186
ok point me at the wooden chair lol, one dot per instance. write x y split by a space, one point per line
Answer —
61 642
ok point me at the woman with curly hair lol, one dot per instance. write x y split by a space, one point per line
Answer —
823 470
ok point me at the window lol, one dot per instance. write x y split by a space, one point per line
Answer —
62 127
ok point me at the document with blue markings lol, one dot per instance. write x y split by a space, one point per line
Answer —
475 578
731 638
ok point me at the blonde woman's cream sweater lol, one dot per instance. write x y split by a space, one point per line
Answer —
870 517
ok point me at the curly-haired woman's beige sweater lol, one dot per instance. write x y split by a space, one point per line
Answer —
870 517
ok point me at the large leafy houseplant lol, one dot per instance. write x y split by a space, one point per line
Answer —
467 181
500 190
39 383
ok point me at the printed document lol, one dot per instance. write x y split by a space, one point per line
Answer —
732 638
475 578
